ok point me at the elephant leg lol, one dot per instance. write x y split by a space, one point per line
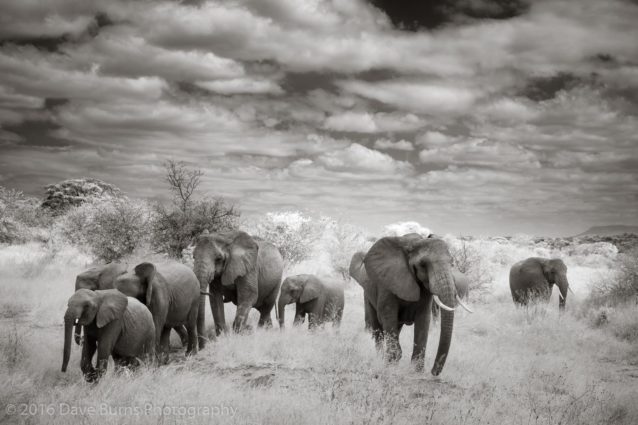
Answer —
421 329
373 324
183 334
105 345
389 318
191 327
241 317
265 311
264 319
89 347
163 345
300 316
216 299
246 299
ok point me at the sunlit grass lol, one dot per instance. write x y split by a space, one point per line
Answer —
506 366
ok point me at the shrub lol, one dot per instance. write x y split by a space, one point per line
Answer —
74 192
619 286
469 261
341 241
111 228
174 229
293 233
21 217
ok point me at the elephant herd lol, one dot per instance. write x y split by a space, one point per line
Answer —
129 315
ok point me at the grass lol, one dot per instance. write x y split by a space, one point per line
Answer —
506 366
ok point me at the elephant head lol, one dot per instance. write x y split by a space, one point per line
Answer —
410 267
357 270
87 306
100 277
224 256
301 288
555 271
138 283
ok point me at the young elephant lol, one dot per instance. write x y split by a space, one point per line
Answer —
320 300
103 277
171 293
533 279
114 325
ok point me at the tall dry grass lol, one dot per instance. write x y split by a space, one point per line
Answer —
506 365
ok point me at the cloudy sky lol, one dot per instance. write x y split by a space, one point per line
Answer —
469 116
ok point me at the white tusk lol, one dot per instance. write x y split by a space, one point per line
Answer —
440 304
570 290
458 299
561 295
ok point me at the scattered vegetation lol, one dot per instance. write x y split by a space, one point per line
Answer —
507 365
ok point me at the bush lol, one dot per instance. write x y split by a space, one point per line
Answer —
619 286
293 233
74 192
469 261
21 217
173 229
111 228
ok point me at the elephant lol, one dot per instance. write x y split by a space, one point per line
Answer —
237 268
405 274
114 325
322 301
171 293
533 279
103 277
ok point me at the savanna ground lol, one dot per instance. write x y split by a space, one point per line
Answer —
506 366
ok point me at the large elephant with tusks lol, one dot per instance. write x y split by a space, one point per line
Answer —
405 275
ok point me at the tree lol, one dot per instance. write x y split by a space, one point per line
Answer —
74 192
174 228
182 182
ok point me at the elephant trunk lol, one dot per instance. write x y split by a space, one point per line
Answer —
69 321
203 276
281 306
442 284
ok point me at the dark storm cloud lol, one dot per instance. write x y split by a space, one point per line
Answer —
412 15
525 110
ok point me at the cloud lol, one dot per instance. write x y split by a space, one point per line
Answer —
423 96
352 121
359 158
401 145
241 86
481 153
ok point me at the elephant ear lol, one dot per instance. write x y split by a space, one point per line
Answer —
357 270
242 258
311 289
387 265
146 273
113 305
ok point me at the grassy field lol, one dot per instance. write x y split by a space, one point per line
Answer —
506 366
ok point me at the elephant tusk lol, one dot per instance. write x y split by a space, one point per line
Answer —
561 296
570 289
458 299
440 304
204 293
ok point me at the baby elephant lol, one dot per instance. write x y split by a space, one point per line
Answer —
114 325
320 300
